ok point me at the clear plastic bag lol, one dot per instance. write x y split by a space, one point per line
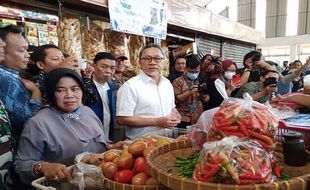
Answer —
86 175
244 118
198 136
233 160
199 131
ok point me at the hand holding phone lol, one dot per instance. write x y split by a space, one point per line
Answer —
235 79
83 64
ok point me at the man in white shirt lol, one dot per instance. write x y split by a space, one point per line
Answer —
145 103
101 91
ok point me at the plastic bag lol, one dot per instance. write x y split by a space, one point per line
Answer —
233 160
199 131
244 118
198 136
86 175
285 105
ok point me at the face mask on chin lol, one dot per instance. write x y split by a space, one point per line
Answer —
229 75
192 76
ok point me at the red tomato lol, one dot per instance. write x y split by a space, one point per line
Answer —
140 164
123 176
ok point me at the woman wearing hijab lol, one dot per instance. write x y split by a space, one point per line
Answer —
54 136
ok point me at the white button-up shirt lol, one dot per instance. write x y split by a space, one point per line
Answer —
103 92
141 96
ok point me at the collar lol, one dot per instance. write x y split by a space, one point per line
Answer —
104 85
9 71
147 78
72 115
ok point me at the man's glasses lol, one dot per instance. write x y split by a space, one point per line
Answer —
149 59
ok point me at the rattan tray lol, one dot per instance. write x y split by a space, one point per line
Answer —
112 185
162 159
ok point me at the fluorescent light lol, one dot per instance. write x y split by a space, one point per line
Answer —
292 17
260 15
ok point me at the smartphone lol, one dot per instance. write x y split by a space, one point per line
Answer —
83 64
235 79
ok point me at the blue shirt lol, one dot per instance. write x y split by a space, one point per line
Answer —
16 99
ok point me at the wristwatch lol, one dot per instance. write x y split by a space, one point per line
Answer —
37 168
245 70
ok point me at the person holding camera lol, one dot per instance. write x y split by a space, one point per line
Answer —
187 93
262 90
255 64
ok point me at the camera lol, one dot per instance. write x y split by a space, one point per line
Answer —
271 81
215 60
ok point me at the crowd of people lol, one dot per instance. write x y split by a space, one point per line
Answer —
47 119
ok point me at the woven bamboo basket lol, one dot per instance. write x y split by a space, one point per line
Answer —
160 163
112 185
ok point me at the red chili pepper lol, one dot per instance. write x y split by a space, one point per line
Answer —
244 130
238 134
257 175
265 146
206 173
231 128
214 158
278 170
224 124
245 121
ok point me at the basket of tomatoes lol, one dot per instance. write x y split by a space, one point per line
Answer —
128 169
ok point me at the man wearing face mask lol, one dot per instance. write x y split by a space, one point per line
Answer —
186 92
262 90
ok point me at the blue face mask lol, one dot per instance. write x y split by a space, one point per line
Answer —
192 76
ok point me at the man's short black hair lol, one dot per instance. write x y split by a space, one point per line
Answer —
181 57
264 72
297 61
151 46
103 55
255 55
10 29
193 62
39 53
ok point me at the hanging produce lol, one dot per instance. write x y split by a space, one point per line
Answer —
94 41
69 36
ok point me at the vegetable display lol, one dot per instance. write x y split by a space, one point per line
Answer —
233 160
187 165
129 164
244 118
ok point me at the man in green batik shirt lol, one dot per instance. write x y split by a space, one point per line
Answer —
6 140
6 146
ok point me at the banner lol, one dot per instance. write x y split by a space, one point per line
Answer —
140 17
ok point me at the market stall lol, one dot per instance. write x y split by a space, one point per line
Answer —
241 149
39 28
